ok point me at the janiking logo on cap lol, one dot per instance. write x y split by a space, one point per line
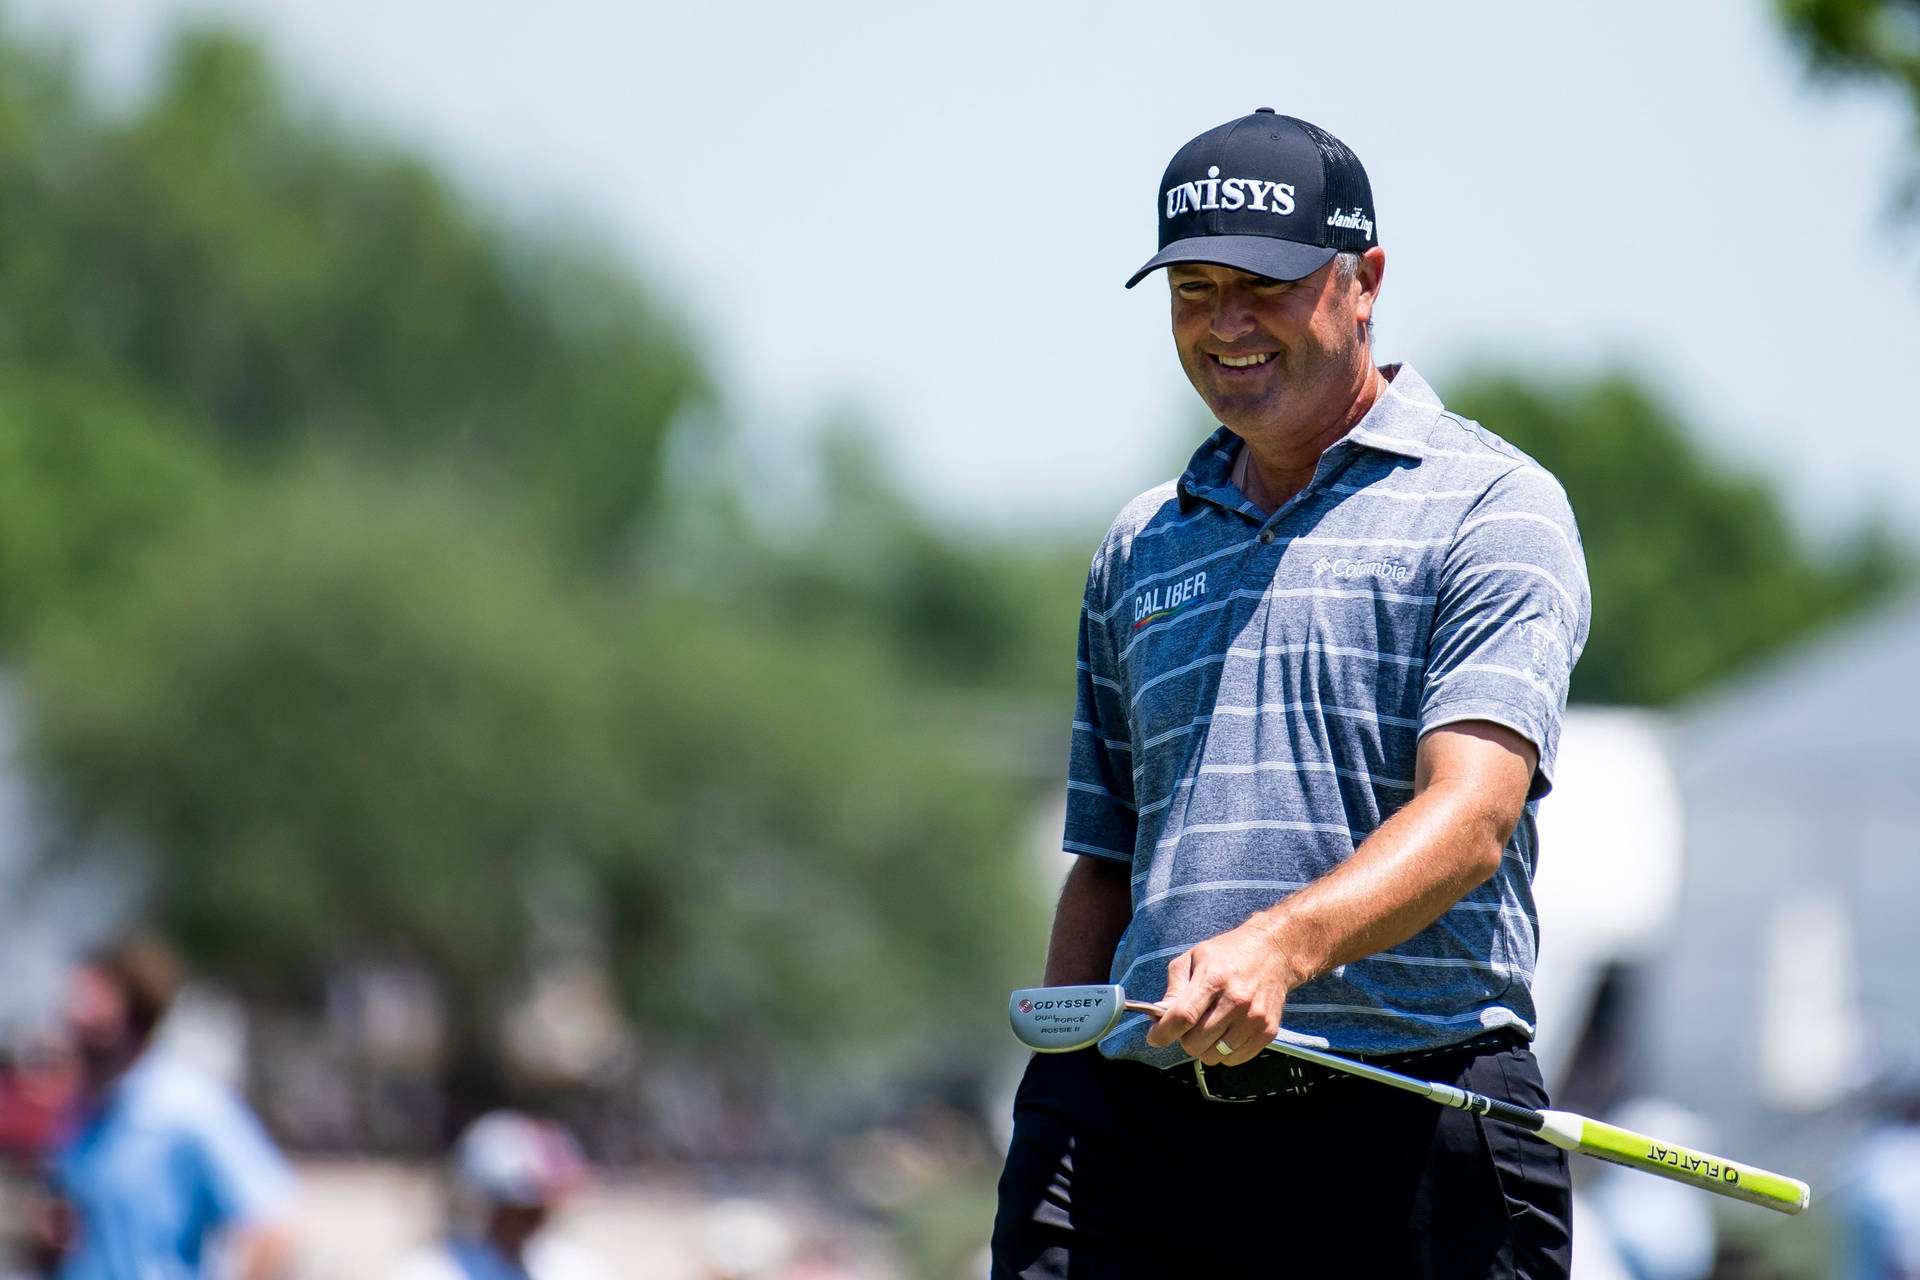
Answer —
1216 192
1355 221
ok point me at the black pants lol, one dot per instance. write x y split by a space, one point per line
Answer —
1119 1171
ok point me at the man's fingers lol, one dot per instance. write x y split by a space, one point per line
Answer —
1166 1029
1185 1003
1178 1020
1234 1032
1223 1022
1213 1010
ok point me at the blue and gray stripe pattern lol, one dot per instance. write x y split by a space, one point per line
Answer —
1252 690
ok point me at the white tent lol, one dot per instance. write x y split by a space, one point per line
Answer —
1608 882
1788 976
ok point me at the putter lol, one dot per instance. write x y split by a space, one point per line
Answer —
1061 1019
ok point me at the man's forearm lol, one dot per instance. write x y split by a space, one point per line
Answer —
1096 904
1470 787
1400 880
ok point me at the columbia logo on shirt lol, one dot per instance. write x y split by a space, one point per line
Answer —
1382 570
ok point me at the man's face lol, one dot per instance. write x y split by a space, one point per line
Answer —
97 1019
1268 355
511 1226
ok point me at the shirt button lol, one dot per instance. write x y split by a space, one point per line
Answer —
1266 537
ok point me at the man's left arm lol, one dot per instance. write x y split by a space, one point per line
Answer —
1510 620
1470 782
250 1188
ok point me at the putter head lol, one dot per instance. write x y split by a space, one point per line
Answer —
1062 1019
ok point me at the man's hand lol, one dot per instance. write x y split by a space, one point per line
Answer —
1230 989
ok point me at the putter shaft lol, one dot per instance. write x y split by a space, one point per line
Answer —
1563 1129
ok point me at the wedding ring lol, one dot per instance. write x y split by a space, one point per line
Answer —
1223 1047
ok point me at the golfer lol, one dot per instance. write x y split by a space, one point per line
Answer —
1321 682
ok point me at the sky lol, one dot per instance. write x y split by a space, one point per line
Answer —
926 212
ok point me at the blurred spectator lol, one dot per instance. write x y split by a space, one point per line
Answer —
510 1172
39 1092
39 1085
1883 1203
166 1170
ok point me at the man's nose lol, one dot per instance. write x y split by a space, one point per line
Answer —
1232 317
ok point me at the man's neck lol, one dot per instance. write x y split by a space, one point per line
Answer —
1270 471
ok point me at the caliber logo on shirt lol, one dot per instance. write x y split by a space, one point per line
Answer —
1382 570
1163 602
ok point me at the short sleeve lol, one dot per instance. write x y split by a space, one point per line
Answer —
1511 616
247 1180
1101 817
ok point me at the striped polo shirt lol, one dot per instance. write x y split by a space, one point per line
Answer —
1252 690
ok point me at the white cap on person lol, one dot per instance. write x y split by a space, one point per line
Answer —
510 1158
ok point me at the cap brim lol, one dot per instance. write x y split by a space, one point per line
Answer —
1262 255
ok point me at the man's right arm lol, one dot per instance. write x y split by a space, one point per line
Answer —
1096 903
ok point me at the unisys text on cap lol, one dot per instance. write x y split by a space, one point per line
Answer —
1267 194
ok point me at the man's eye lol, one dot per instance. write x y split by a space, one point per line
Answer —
1191 289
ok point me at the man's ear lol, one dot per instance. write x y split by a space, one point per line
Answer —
1366 280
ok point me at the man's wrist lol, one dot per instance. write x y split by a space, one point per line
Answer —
1282 935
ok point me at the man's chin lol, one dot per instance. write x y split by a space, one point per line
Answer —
1243 415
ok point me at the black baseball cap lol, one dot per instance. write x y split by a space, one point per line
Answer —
1267 194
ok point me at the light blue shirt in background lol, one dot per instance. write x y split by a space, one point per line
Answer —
170 1160
1882 1219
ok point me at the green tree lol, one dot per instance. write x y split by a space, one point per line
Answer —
1869 41
357 717
1695 571
970 610
292 286
310 476
92 476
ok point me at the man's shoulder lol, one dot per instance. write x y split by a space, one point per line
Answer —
1143 522
167 1089
1492 463
1149 510
1455 454
1456 435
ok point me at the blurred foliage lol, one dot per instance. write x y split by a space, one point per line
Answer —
334 543
290 286
1870 41
1695 571
970 611
356 716
1874 39
90 474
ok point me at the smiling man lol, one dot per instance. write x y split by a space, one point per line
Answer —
1321 682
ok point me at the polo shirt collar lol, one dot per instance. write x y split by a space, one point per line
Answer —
1398 424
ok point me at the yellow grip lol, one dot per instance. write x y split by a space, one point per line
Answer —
1682 1164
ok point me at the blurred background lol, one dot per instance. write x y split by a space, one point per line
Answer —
540 548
